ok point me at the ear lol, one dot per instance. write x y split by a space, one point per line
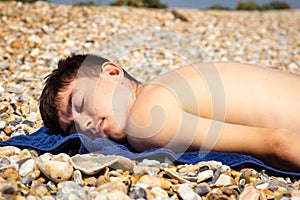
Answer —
112 70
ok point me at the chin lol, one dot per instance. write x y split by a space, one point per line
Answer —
118 137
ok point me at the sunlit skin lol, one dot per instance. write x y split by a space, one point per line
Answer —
86 106
176 110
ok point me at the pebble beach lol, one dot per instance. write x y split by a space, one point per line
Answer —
146 42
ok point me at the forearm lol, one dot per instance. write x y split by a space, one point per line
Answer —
277 147
226 137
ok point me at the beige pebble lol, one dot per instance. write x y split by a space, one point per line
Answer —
223 180
249 193
155 181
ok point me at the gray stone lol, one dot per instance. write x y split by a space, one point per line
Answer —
91 164
201 190
70 190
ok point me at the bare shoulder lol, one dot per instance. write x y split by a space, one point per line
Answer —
152 112
152 99
155 93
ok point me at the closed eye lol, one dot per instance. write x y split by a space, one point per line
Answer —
81 106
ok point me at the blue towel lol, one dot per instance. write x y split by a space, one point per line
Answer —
42 141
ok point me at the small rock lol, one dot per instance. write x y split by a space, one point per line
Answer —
48 197
141 170
77 177
51 187
124 164
7 188
159 192
223 180
112 186
38 189
30 177
70 190
29 123
4 161
249 193
2 124
216 175
138 193
203 168
112 196
202 190
90 181
295 195
56 171
27 167
9 151
91 164
202 176
150 163
189 168
262 185
187 193
214 164
56 168
155 182
173 174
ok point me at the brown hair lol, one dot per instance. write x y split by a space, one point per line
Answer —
67 71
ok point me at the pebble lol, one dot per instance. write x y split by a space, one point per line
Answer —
204 175
223 180
249 193
55 176
202 189
31 43
187 193
57 168
70 190
2 124
158 192
155 181
27 167
92 164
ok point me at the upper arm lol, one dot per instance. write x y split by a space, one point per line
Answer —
165 124
158 120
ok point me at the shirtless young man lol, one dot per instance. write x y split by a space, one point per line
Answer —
228 107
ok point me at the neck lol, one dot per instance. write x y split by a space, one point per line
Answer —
134 88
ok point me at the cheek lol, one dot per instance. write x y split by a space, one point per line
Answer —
102 105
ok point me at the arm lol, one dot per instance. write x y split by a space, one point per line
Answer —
160 122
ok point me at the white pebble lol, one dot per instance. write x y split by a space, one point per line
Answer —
187 193
223 180
202 176
2 124
27 167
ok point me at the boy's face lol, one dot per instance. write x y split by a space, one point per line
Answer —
96 107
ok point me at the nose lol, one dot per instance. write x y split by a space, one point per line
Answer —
84 123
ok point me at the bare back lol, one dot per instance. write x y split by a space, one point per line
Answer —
227 107
252 95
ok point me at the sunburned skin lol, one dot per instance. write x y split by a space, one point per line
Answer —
228 107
